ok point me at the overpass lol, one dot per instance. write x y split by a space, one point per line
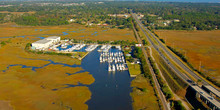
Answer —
211 102
206 98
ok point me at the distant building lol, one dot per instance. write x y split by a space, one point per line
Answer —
71 20
176 20
45 43
159 17
139 16
128 55
138 45
119 15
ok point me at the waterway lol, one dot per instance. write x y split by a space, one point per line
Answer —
110 91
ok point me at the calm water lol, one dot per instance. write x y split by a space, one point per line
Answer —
110 91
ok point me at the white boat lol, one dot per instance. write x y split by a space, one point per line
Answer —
64 46
109 68
120 67
100 59
123 67
103 46
91 48
113 67
117 67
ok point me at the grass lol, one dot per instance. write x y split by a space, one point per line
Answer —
5 105
75 31
199 46
175 83
46 87
143 94
25 89
134 69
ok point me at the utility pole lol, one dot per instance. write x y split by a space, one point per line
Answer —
200 64
165 39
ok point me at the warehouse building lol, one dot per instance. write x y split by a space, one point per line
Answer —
55 39
45 43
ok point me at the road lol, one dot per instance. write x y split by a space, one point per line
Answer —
170 55
183 76
159 91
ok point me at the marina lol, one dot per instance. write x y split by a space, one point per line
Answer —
115 60
110 89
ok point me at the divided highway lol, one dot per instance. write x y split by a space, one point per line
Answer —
183 76
165 49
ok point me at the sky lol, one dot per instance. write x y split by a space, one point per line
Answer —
207 1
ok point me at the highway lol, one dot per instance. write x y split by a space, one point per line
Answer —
165 49
183 76
159 91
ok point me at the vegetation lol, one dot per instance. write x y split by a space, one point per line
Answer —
38 84
169 15
145 69
178 54
118 42
2 43
175 83
177 105
181 16
134 68
35 21
190 65
143 95
165 89
183 57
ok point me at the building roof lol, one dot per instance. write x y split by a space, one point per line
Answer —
43 41
52 37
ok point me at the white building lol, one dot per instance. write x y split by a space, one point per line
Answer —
55 39
45 43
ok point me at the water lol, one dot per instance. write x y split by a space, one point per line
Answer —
33 68
110 91
65 33
41 37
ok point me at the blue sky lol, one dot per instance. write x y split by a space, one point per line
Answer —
211 1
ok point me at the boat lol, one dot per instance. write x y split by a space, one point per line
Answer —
109 68
91 48
100 59
64 46
120 67
123 67
117 67
113 67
